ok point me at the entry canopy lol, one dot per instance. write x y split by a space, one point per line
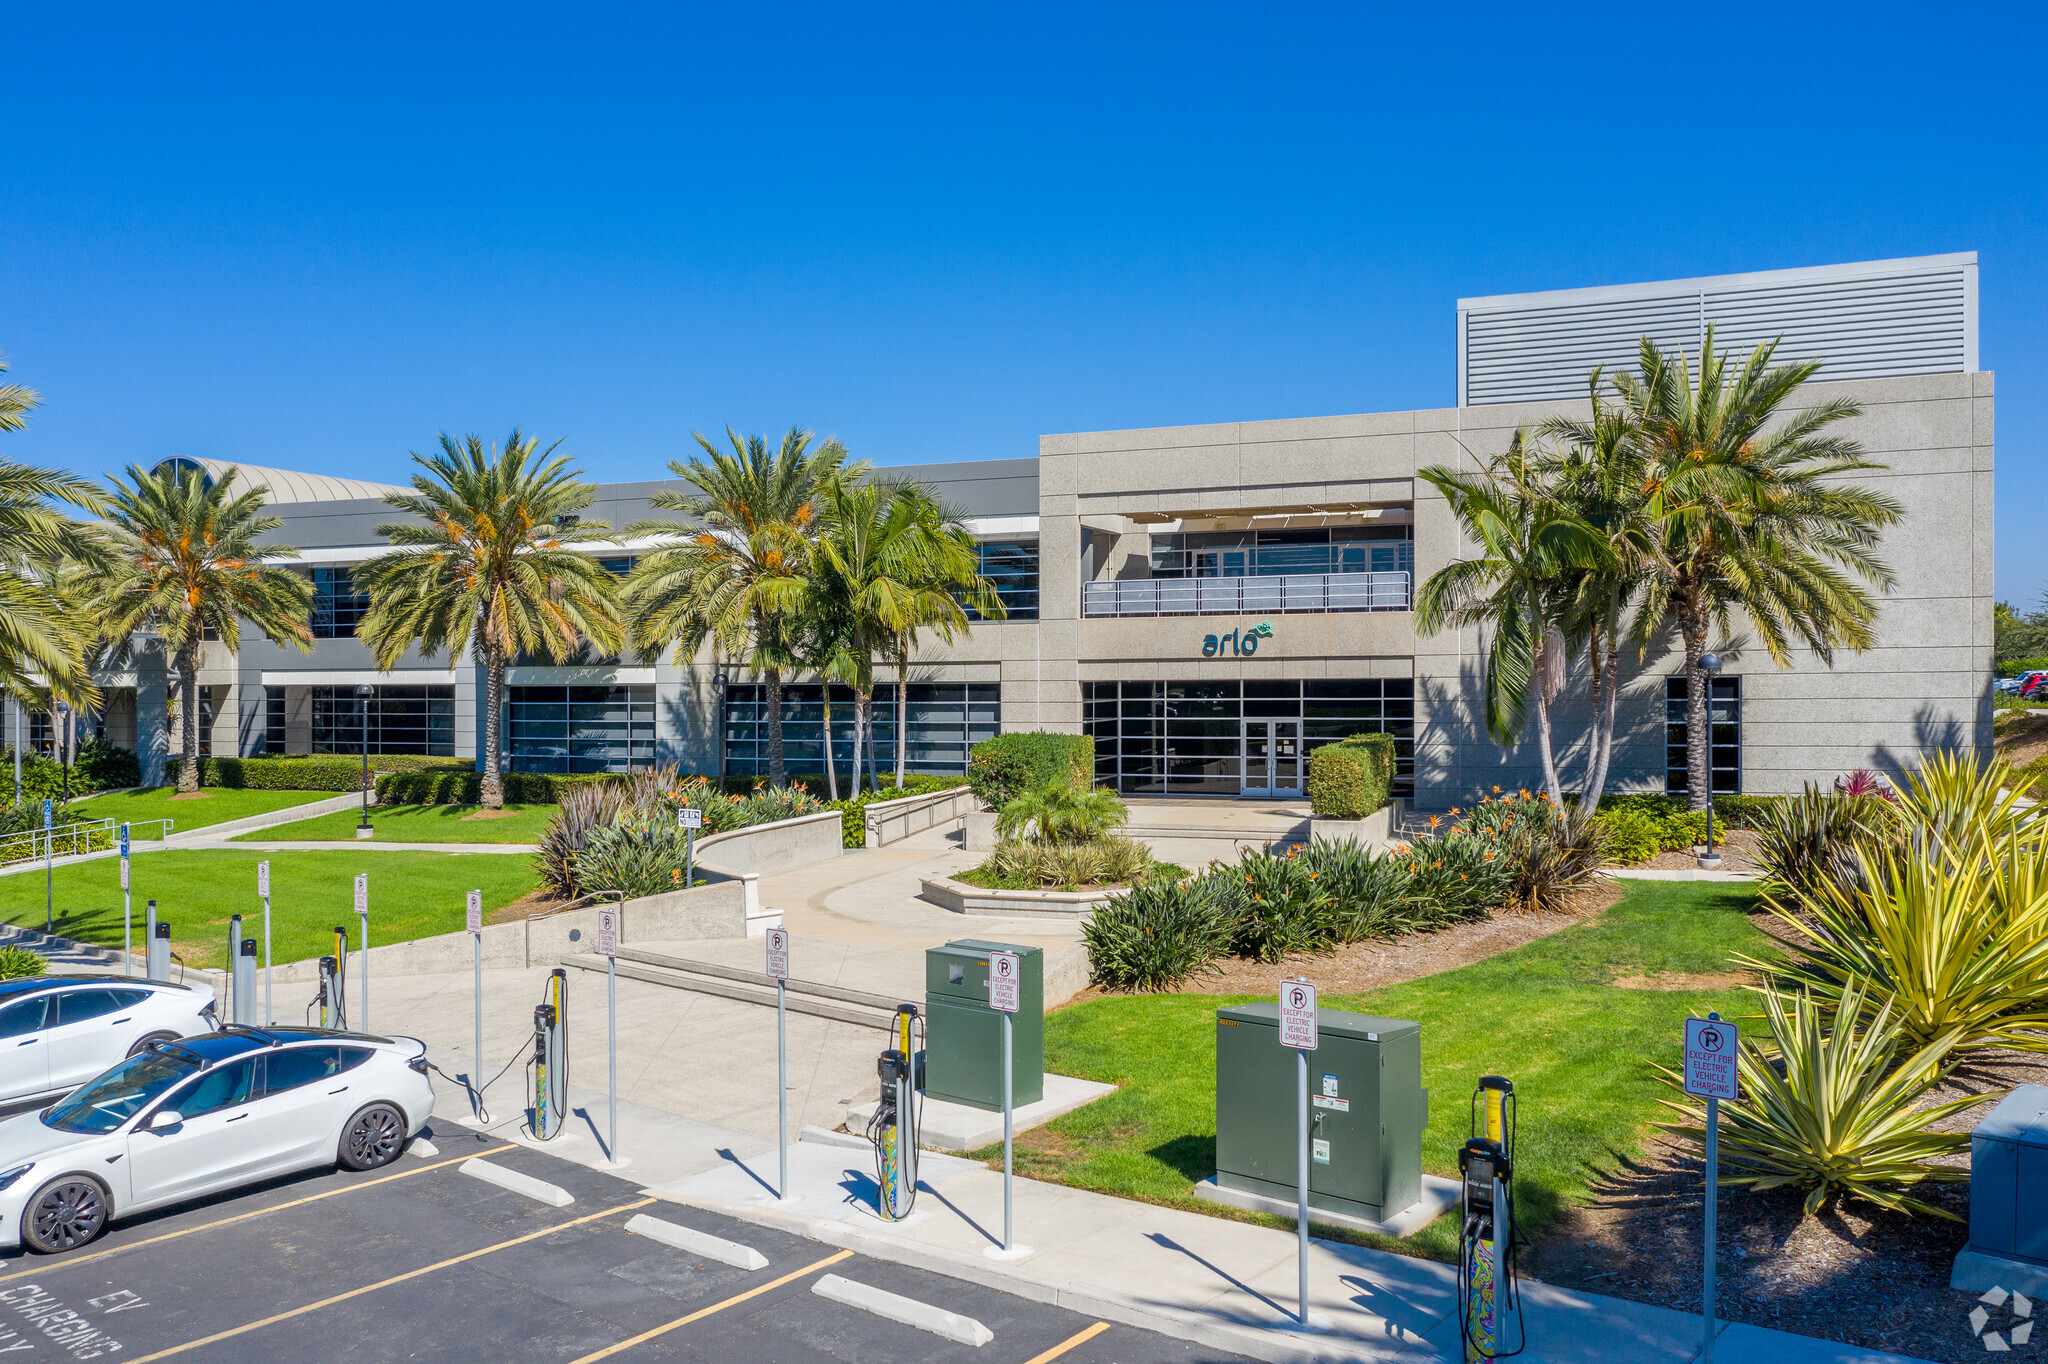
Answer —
1303 516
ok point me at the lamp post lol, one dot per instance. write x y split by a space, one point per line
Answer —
363 694
1710 664
64 747
718 688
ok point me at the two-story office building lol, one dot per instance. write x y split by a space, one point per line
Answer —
1210 602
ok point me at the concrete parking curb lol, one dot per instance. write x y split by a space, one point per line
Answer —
907 1311
539 1190
697 1242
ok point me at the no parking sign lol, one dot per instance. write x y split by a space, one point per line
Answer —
1711 1046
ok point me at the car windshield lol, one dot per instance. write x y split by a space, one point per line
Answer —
122 1092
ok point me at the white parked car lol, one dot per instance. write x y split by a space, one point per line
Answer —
57 1032
188 1118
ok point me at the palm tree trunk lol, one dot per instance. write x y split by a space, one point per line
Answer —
1539 678
1606 694
772 681
863 716
831 772
874 778
494 704
902 712
1692 625
188 720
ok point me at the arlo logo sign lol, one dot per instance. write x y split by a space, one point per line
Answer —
1240 643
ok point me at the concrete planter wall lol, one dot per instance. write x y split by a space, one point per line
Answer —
714 911
891 821
962 898
981 830
745 855
1380 829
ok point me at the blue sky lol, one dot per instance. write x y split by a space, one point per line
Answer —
316 236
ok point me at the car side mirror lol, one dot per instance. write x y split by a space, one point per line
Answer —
165 1117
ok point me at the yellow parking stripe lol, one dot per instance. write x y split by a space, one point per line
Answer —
608 1351
272 1320
52 1266
1081 1337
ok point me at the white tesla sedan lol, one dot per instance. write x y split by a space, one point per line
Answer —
57 1032
187 1118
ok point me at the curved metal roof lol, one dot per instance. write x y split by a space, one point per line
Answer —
288 485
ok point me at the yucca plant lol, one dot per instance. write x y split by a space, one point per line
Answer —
1955 803
1839 1121
1926 939
16 962
583 811
1811 839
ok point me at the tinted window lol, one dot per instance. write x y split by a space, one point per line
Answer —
122 1092
23 1018
128 999
75 1006
299 1066
231 1084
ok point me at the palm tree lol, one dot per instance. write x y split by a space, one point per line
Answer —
1528 542
40 637
183 559
738 576
947 572
1741 519
490 567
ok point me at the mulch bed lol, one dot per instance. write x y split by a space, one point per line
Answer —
1853 1272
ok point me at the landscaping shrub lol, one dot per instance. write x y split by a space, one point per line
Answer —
1024 864
855 830
1632 836
102 766
1002 768
1638 827
1278 906
1834 1115
1056 811
2013 667
642 854
465 786
317 772
1811 839
41 778
1370 891
16 962
622 834
583 811
1156 935
1351 779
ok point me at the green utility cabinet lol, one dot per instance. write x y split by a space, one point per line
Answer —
963 1050
1367 1110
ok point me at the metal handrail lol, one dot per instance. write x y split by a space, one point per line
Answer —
1265 594
78 836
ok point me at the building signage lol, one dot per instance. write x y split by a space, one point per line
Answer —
1238 643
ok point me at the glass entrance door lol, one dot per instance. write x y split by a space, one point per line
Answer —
1272 758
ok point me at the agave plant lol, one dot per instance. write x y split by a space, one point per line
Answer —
1928 941
1957 805
1811 839
16 962
1839 1121
1862 781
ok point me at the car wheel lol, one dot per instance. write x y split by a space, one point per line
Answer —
373 1137
143 1044
64 1214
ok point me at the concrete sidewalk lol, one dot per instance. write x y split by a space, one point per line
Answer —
1228 1285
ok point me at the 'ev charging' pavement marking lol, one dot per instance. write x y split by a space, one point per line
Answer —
48 1269
608 1351
273 1319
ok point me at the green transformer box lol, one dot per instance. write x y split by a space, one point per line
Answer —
1367 1110
963 1050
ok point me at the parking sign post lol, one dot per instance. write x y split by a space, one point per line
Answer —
1711 1048
778 967
363 938
689 819
49 857
263 891
1005 991
1298 1030
127 907
476 934
608 948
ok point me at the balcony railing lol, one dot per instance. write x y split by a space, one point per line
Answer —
1264 595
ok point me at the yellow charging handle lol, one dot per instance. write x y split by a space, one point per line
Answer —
1493 1115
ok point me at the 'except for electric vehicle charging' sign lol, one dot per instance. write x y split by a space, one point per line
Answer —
1298 1015
778 953
476 911
689 817
263 880
608 932
1005 981
1710 1052
362 892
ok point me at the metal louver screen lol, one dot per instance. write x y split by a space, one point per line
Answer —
1863 328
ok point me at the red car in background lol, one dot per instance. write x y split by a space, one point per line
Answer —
2034 685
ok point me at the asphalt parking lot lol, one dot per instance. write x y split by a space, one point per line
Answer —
421 1261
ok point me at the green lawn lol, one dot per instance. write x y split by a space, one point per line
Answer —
215 805
412 895
1545 1015
416 824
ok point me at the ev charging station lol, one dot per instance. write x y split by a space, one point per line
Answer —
332 999
159 946
245 983
893 1128
1487 1230
548 1071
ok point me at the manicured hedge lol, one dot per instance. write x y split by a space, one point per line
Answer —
1001 768
315 772
1351 779
466 786
854 826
